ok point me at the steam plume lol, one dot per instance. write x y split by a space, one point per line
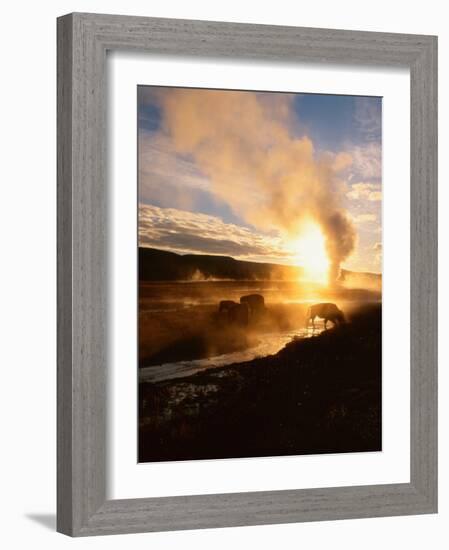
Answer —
244 143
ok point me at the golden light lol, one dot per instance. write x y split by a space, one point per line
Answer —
310 253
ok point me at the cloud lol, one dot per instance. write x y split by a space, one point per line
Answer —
157 158
378 248
342 161
368 191
367 162
363 218
188 232
368 117
243 144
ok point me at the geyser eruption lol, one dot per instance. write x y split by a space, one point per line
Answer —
340 240
244 142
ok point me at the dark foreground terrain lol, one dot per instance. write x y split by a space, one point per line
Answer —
318 395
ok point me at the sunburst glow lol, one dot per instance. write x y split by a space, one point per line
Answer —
310 253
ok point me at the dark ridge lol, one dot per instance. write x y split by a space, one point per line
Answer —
160 265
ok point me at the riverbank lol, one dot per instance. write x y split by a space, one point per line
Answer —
199 332
318 395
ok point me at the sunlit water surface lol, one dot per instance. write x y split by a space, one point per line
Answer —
269 344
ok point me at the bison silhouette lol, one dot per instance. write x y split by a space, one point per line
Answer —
255 302
225 305
328 312
233 312
239 314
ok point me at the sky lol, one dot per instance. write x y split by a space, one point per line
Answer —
241 173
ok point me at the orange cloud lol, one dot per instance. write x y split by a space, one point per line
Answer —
273 180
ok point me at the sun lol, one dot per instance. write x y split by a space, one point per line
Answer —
309 251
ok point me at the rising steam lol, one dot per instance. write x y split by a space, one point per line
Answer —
244 143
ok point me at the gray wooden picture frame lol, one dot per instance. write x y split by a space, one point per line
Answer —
83 40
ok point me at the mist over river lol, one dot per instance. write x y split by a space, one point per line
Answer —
270 343
155 296
181 333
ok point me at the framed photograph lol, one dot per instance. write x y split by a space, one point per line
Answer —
247 274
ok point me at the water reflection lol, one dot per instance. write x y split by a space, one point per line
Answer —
269 344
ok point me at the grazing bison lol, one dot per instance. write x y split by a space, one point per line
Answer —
328 312
239 314
255 302
225 305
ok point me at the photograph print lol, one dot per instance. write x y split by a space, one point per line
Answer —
260 273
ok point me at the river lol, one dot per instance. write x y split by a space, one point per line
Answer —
269 344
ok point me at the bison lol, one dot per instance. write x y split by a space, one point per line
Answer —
239 314
328 312
255 302
225 305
